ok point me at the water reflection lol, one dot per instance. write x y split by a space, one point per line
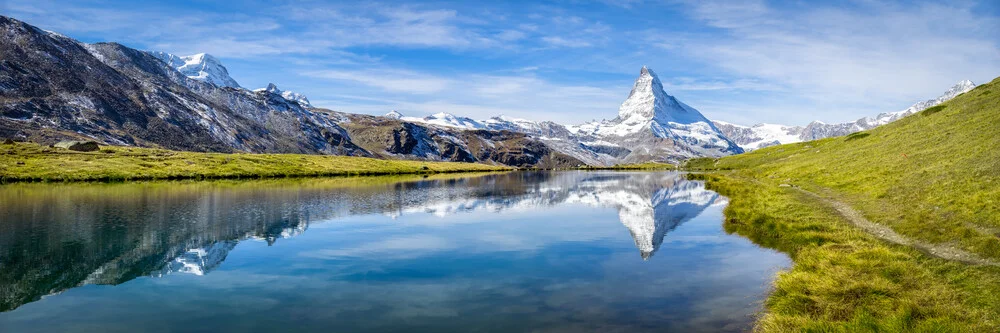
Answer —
57 237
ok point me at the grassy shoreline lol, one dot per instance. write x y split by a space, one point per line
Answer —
28 162
845 280
931 177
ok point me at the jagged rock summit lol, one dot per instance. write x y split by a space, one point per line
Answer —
202 67
288 95
648 101
654 125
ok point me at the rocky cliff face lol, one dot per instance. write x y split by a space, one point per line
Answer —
390 137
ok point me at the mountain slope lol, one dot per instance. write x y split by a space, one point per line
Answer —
56 88
931 177
941 163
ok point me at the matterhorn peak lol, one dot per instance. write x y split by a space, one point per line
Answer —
394 115
202 67
648 101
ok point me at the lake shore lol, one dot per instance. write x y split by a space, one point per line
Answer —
844 278
892 229
29 162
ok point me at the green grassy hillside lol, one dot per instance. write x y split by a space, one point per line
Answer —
32 162
931 177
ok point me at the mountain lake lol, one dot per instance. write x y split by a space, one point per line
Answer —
560 251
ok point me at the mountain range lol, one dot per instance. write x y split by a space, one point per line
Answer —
764 135
55 88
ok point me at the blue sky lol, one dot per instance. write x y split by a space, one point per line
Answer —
568 61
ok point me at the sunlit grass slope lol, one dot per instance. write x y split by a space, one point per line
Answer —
932 177
27 161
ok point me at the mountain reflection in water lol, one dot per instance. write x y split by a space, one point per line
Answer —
58 237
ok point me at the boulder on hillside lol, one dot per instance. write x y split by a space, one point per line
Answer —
78 145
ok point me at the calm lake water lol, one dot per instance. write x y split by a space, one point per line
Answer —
545 252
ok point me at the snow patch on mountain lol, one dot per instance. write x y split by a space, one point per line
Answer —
760 135
447 120
393 115
201 67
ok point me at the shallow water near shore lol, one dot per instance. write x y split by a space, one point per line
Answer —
523 251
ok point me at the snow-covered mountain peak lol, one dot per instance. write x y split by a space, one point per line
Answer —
394 115
201 67
297 97
287 95
446 120
648 101
959 88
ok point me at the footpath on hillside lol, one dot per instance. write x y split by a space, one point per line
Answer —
887 234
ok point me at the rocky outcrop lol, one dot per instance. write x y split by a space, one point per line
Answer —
78 145
390 137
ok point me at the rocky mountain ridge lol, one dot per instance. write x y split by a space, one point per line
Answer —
651 125
56 88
